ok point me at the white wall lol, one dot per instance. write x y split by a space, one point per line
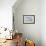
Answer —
6 18
28 7
43 22
39 10
6 13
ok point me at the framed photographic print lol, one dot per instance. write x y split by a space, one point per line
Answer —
28 19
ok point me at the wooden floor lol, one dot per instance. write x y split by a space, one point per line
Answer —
9 43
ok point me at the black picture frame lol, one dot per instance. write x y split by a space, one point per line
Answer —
30 21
